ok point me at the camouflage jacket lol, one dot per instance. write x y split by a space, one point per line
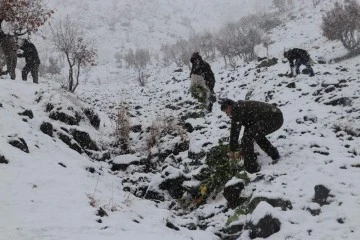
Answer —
250 113
298 55
203 68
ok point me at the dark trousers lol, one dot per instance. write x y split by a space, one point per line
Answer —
34 69
257 133
299 63
11 65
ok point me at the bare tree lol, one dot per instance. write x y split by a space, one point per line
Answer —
283 5
343 23
138 60
68 39
123 127
24 16
266 41
316 2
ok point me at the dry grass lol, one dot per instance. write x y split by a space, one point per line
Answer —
162 127
122 131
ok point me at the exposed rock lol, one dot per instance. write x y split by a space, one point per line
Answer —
98 156
275 202
154 195
65 118
83 138
93 117
264 228
268 63
69 141
314 212
136 128
20 144
291 85
101 212
189 128
174 186
49 107
47 128
90 169
196 156
61 164
181 147
122 162
321 195
232 194
178 70
3 160
343 101
172 226
27 113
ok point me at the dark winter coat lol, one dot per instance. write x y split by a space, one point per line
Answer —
30 53
263 117
200 67
9 47
299 55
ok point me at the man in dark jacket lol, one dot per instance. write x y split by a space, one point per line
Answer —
203 69
9 48
259 120
32 60
301 57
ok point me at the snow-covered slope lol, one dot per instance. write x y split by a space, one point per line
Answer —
46 193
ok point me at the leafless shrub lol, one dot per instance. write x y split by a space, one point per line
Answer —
343 23
150 26
204 43
162 127
128 199
68 39
123 127
93 202
316 2
283 5
138 60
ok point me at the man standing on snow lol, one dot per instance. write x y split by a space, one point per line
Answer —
201 73
301 57
31 58
259 120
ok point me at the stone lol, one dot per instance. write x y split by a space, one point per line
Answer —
93 117
84 139
264 228
174 186
68 141
65 118
136 128
154 195
20 144
3 160
27 113
47 128
172 226
321 195
291 85
343 101
232 194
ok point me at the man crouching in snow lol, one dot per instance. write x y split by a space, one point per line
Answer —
202 81
301 57
259 120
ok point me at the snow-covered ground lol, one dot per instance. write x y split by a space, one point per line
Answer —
52 193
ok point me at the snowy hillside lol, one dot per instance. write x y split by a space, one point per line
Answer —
64 177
